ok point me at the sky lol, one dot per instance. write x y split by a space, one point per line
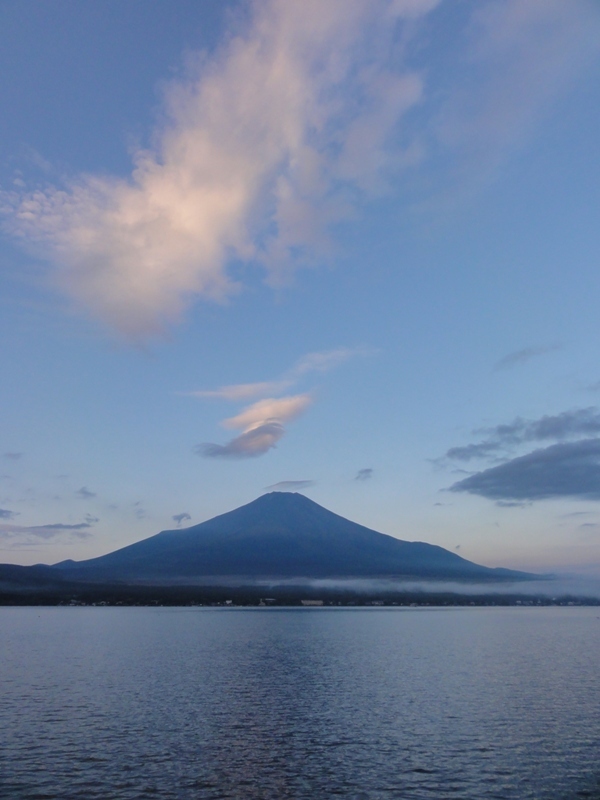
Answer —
349 248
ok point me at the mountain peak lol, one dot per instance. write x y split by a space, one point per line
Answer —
279 535
280 496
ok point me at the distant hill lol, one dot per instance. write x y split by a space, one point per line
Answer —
280 535
25 578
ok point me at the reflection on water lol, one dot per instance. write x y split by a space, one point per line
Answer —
299 703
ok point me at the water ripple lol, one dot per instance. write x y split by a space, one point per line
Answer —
202 704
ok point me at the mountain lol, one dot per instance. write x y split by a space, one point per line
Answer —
280 535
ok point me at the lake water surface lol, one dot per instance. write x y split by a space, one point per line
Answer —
475 703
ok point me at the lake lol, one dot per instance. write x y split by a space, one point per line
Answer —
466 703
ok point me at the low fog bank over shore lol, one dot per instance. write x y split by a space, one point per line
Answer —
550 586
560 591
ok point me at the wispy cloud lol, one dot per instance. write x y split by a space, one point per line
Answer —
518 357
260 140
13 456
319 362
138 510
84 493
179 518
45 532
364 474
575 423
289 486
292 125
326 360
244 391
6 514
262 424
517 57
572 514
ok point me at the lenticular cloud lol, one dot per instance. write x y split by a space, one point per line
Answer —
262 426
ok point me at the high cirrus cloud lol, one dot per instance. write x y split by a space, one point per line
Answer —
248 167
525 53
289 127
319 362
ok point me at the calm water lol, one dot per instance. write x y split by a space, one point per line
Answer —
476 703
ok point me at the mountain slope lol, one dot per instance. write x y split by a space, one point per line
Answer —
279 535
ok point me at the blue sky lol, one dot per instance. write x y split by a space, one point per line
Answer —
347 247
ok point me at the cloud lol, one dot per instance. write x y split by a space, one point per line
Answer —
364 474
312 362
564 470
13 456
327 360
469 451
303 115
243 391
571 514
255 442
179 518
282 409
61 526
566 425
289 486
84 493
6 514
568 468
46 532
264 145
262 424
517 57
523 356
